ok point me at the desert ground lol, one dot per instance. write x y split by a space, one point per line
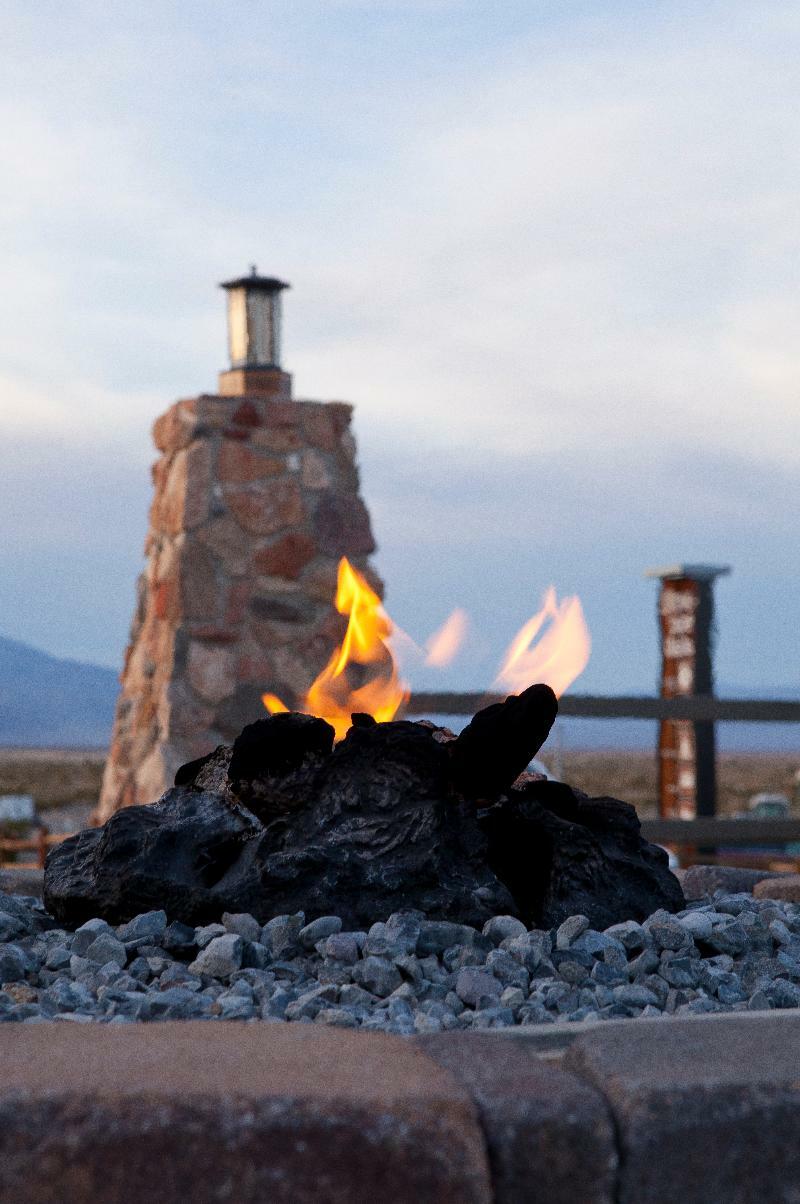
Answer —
55 777
70 778
632 776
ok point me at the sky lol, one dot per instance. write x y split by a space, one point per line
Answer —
549 249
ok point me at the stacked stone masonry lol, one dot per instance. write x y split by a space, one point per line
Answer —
256 499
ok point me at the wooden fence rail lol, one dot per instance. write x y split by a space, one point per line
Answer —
718 831
593 706
39 844
767 844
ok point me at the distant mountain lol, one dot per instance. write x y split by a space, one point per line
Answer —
46 701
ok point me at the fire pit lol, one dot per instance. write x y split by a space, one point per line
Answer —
397 815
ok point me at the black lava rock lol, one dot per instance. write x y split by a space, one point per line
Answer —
275 763
278 745
188 853
385 821
378 832
561 853
497 744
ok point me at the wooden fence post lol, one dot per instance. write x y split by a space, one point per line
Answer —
687 783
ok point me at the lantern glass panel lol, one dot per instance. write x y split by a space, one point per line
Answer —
260 314
237 327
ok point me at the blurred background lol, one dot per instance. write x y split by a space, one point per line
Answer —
550 253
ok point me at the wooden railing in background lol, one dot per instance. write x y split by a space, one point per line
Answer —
595 706
39 844
753 842
717 831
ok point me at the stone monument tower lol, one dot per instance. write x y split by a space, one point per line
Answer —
256 499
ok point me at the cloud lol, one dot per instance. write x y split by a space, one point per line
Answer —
585 253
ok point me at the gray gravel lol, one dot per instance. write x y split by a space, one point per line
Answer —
730 952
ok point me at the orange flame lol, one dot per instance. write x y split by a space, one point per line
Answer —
443 645
557 657
364 653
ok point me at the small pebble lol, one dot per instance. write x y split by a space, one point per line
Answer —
377 976
106 948
570 930
318 930
242 924
501 928
281 932
205 935
221 957
473 985
342 947
147 928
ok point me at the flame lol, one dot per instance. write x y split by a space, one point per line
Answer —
443 645
557 657
364 653
439 649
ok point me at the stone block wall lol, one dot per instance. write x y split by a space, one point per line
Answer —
256 498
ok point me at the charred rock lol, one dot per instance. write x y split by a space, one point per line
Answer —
498 743
385 821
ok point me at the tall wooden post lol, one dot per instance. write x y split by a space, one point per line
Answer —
687 784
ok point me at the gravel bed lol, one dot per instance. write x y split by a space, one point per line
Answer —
406 975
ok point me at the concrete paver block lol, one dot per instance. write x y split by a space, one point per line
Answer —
707 1108
550 1136
197 1112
